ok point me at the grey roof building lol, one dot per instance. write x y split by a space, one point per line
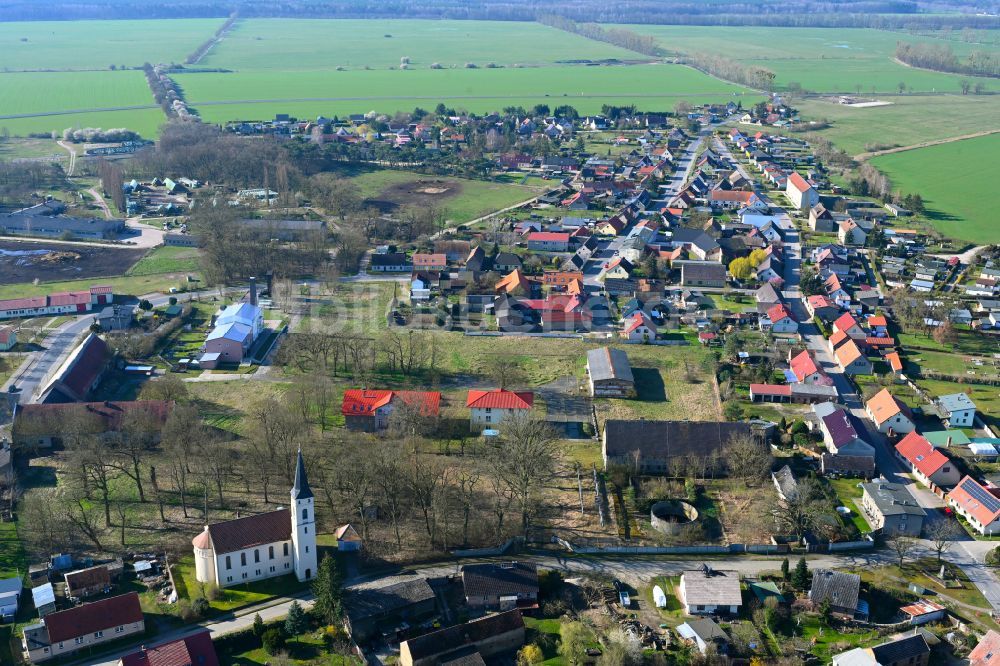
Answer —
891 508
661 444
609 373
500 586
701 273
389 601
840 589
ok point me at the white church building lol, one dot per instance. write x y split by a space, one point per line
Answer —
263 546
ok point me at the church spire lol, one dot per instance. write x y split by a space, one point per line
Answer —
301 489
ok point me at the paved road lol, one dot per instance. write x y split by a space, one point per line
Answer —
59 343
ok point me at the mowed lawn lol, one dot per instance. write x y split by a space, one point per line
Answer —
262 93
289 44
951 178
76 45
820 59
38 92
167 259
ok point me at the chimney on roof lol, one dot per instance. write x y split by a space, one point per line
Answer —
253 291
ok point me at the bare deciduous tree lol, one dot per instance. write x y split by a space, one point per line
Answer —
521 462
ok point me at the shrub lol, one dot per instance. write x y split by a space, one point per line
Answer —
530 654
273 640
200 606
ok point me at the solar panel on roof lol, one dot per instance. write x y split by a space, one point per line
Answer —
981 495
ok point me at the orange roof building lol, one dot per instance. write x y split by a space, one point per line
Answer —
888 413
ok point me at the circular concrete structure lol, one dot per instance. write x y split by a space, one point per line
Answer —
670 516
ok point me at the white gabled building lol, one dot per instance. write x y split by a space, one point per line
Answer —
267 545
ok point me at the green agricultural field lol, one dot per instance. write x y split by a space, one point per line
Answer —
144 121
820 59
293 44
76 45
951 178
909 120
261 94
37 92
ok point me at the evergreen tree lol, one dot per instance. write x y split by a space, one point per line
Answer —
784 563
258 625
296 623
327 588
800 579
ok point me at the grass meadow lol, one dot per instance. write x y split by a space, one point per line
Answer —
297 44
909 120
952 196
77 45
820 59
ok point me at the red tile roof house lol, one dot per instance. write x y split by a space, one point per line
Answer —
850 326
929 466
987 651
888 413
194 650
807 371
430 262
638 327
548 241
64 632
369 411
978 504
779 319
490 408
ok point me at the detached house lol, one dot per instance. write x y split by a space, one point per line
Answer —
957 410
638 327
850 232
839 433
851 359
806 371
890 507
889 414
706 591
849 325
929 465
369 411
548 241
781 320
490 408
978 504
802 195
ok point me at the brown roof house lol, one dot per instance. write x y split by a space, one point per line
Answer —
88 582
466 644
500 586
84 626
79 374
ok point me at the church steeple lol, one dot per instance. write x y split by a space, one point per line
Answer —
301 489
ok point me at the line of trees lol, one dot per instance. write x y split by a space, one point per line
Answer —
941 58
626 39
205 46
754 76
